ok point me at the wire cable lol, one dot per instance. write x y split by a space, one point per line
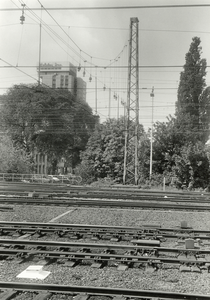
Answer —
117 7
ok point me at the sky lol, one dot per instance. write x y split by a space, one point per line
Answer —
95 34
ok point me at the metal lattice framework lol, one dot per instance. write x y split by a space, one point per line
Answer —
130 174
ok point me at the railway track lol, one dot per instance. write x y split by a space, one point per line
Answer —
111 192
141 254
47 291
100 255
102 203
99 232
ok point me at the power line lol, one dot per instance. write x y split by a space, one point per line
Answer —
111 67
101 88
115 67
113 28
115 7
12 66
42 85
66 44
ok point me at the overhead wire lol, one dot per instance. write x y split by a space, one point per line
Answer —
147 66
65 32
58 36
38 82
118 7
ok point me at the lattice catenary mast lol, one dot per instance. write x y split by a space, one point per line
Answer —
130 173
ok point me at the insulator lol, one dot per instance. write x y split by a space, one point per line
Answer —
84 73
79 68
90 78
22 19
104 88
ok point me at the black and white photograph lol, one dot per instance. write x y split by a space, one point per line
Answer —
104 149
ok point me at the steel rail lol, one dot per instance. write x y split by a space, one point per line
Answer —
100 231
104 203
5 208
101 257
94 291
108 247
131 196
21 187
113 195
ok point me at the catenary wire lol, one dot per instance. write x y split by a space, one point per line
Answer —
117 7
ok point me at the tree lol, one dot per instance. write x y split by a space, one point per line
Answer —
84 124
169 138
205 113
192 166
45 119
12 159
165 144
192 83
104 153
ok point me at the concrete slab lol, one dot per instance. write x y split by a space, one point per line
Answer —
34 272
189 244
195 269
184 224
185 269
96 265
122 267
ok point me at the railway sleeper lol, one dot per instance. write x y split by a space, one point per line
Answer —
148 252
82 296
18 232
4 232
108 251
61 233
115 238
17 247
8 294
95 236
84 250
74 236
43 296
99 263
39 233
194 267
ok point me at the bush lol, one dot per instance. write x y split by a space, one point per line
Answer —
85 172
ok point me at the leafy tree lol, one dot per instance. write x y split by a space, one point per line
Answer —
192 166
192 83
174 138
84 124
13 159
104 154
169 137
166 143
105 150
205 113
45 119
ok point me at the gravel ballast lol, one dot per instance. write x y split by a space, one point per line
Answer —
106 216
166 279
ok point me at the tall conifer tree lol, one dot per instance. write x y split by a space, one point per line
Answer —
192 84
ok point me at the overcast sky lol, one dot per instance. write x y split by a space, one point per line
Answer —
100 37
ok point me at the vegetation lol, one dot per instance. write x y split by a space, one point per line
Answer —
104 154
55 123
179 143
43 119
13 159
